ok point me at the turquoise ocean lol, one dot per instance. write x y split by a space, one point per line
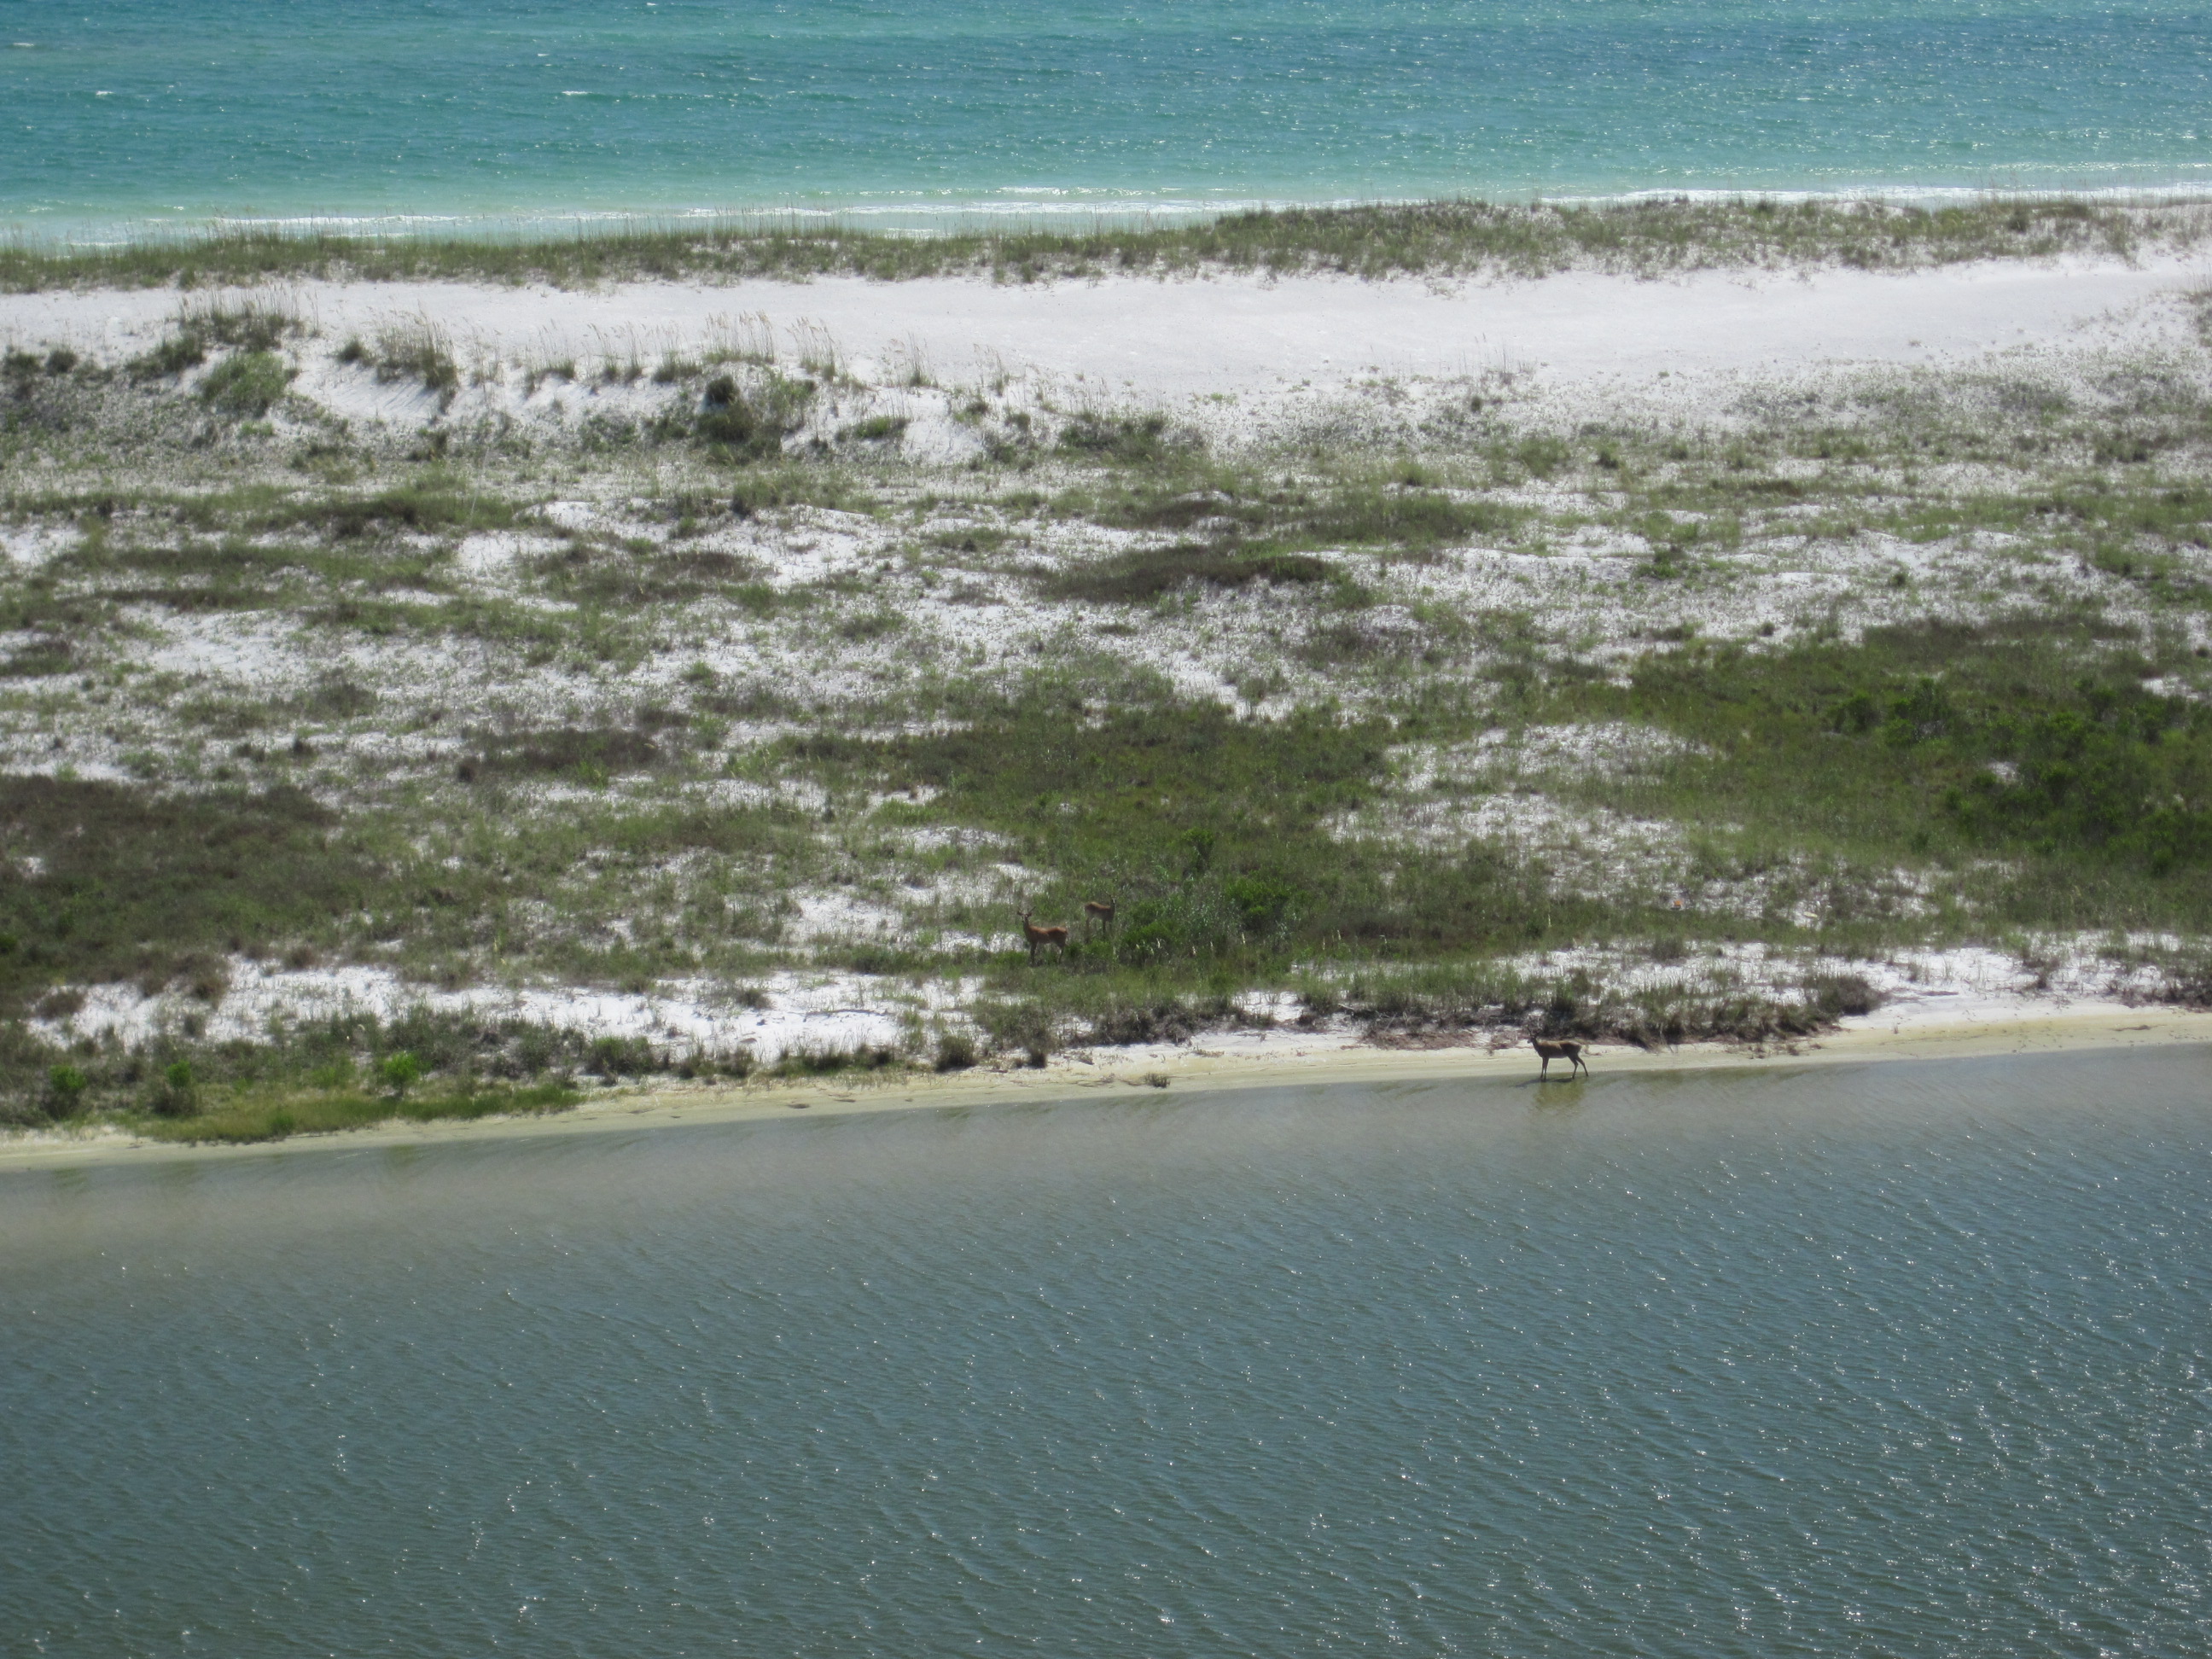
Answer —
132 113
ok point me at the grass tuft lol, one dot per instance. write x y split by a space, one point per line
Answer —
1457 237
246 383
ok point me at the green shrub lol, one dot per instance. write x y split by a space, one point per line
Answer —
166 883
1024 1024
400 1073
65 1087
246 382
1541 457
2127 782
1921 714
177 1094
1123 439
172 357
751 425
1265 905
612 1057
1146 573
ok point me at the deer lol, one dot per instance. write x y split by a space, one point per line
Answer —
1570 1052
1098 911
1055 937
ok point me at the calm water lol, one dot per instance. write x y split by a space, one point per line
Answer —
1876 1362
151 110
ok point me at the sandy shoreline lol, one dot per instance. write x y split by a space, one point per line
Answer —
1201 1068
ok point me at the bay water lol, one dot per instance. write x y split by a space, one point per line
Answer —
1864 1360
136 113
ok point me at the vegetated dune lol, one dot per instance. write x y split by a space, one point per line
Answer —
542 683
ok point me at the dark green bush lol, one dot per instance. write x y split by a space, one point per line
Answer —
1123 439
613 1057
1144 573
65 1087
2121 779
750 425
177 1093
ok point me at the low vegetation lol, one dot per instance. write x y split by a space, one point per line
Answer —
351 762
1460 238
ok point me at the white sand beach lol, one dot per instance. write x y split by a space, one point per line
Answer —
1149 340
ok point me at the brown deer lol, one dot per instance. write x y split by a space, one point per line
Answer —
1055 937
1570 1052
1096 911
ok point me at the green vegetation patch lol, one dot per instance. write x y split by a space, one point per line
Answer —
414 351
588 753
425 505
1123 439
108 882
1144 573
1356 511
1453 236
40 659
1210 833
646 573
266 1115
246 382
2022 737
749 423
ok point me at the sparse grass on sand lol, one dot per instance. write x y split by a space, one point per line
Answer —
1438 707
1463 238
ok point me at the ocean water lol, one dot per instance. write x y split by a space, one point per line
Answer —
138 113
1899 1361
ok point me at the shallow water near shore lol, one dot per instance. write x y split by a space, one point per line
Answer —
140 113
1881 1359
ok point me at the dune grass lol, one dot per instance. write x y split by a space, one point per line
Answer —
135 884
1454 237
785 698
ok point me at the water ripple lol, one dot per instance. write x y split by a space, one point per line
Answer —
1845 1362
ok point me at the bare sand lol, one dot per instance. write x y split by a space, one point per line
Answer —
1285 1060
1151 340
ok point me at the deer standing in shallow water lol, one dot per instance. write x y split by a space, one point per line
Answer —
1096 911
1570 1052
1055 937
